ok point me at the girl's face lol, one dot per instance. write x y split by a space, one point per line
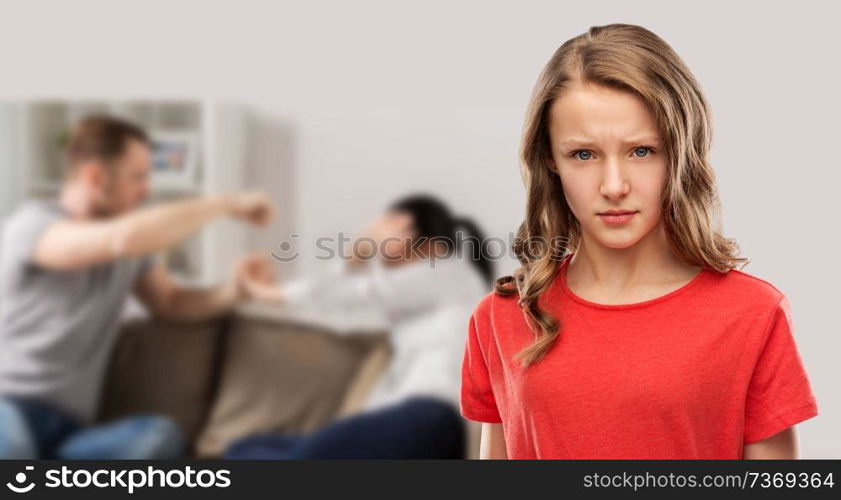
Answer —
609 156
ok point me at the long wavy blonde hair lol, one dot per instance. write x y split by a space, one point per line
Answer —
630 58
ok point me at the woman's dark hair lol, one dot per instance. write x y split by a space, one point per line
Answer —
434 220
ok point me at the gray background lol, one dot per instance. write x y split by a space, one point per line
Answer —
389 97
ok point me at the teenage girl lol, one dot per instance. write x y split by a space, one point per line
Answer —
627 333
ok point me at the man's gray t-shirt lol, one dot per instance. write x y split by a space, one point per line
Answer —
57 328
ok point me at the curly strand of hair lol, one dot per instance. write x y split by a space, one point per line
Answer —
545 327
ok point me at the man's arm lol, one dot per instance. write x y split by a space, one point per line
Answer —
167 300
76 244
780 446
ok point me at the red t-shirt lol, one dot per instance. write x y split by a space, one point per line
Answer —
693 374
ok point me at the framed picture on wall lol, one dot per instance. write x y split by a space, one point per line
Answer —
174 159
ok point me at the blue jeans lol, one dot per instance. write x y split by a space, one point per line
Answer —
30 429
420 427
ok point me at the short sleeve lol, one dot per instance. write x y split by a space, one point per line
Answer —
477 398
22 231
779 393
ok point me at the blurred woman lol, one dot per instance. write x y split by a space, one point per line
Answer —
410 272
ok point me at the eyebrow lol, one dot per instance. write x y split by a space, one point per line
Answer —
574 141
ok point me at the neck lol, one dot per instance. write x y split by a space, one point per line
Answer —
649 260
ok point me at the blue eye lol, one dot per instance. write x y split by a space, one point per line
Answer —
645 149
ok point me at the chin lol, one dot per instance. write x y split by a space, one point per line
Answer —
618 241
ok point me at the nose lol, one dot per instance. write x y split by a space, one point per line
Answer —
614 184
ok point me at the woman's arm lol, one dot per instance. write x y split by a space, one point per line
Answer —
492 445
781 446
335 288
342 299
267 292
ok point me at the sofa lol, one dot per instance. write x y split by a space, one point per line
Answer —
250 372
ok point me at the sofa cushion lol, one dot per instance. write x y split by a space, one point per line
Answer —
279 375
370 371
163 368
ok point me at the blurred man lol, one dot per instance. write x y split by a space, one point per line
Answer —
67 267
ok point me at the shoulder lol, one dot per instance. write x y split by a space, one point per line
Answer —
747 287
453 279
494 306
747 296
32 210
26 208
29 219
24 226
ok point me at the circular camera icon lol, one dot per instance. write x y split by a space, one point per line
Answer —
20 478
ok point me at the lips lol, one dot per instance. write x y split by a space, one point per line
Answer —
617 212
617 217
